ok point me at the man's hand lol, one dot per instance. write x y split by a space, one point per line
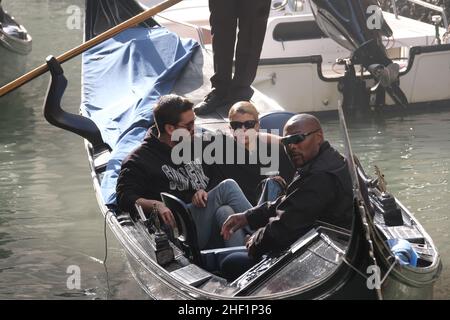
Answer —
200 198
166 215
233 223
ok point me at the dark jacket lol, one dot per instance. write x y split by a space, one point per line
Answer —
321 190
149 170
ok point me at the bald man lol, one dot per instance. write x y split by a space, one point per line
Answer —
320 191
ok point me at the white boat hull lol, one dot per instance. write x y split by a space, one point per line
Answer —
298 87
301 87
15 45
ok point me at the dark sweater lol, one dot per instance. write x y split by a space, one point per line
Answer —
149 170
249 175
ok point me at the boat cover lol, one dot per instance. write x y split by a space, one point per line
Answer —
122 79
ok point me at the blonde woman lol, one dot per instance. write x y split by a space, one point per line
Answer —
264 156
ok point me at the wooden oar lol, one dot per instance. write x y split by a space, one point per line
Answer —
143 16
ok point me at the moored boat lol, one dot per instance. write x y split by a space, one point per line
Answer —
15 45
120 79
297 51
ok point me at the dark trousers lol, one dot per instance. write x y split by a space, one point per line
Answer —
251 18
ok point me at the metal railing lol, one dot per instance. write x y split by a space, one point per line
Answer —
427 5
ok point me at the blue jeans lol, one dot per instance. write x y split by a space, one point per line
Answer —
224 200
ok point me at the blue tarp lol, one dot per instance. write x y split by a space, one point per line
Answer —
122 79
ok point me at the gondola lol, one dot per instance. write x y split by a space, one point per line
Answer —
121 79
15 45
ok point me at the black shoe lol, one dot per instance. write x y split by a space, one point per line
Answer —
212 102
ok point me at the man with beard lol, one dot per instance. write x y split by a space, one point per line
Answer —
321 190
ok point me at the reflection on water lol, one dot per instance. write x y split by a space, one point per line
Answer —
49 219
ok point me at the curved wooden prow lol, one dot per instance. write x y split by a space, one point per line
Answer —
56 116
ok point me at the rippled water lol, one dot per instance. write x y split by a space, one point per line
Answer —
49 219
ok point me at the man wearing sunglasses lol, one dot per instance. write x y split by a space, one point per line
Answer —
150 170
321 191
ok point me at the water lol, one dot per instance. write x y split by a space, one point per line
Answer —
49 218
413 151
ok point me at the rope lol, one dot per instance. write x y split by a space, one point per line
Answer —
106 254
354 268
389 270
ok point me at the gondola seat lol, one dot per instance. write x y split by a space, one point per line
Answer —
275 120
187 238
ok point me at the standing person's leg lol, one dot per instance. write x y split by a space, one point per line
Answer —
253 15
223 21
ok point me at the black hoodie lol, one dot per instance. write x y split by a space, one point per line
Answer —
149 170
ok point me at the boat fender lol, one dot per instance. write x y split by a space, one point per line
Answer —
403 251
14 31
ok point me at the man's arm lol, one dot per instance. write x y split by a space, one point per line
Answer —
130 187
298 212
259 216
131 190
163 212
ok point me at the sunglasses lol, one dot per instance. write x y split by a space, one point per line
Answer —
296 138
249 124
189 126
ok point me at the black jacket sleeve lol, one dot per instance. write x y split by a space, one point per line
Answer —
295 214
259 216
131 185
